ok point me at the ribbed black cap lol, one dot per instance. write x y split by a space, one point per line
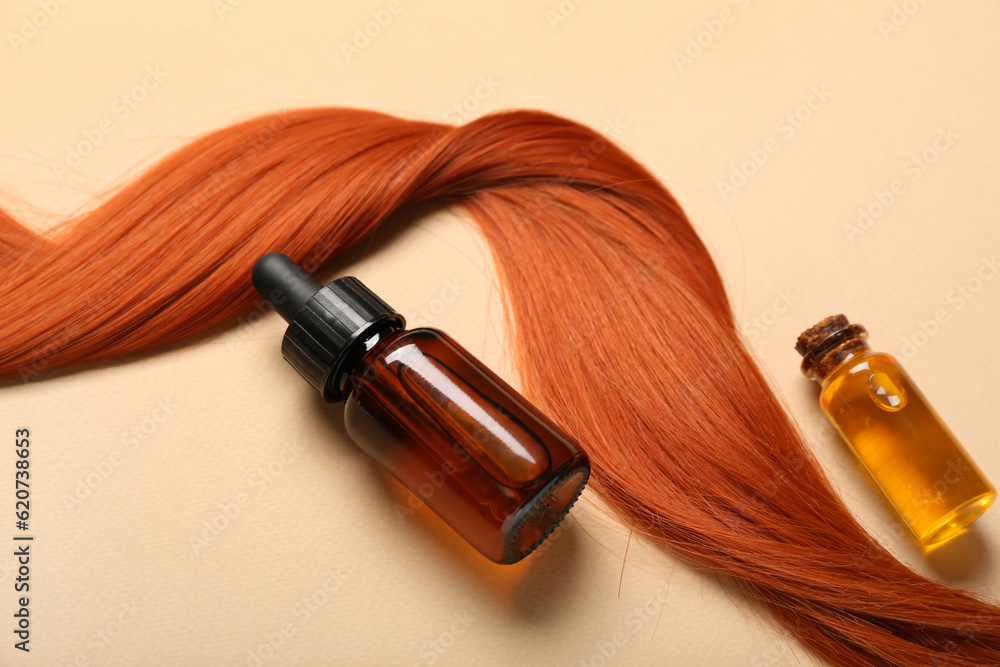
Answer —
327 330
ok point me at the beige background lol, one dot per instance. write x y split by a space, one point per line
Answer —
133 461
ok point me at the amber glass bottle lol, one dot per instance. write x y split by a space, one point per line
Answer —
468 445
910 453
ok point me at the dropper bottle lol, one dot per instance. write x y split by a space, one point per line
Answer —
486 461
910 453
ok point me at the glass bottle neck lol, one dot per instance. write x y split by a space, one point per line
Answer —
357 352
824 365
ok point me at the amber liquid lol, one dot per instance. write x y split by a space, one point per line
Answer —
466 443
910 453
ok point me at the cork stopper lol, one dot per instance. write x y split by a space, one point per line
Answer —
825 345
815 334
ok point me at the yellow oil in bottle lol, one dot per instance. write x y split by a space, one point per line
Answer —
913 457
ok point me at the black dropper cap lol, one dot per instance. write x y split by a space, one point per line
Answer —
327 326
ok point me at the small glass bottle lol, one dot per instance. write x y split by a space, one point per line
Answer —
922 469
467 444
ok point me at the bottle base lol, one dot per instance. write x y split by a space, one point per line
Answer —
540 516
958 520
